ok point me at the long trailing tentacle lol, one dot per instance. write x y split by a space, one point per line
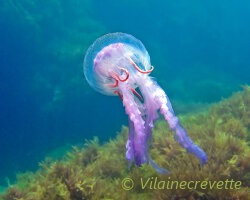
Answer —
157 168
119 94
138 69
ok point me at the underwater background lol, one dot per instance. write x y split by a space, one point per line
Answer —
200 51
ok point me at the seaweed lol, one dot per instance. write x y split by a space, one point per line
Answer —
96 171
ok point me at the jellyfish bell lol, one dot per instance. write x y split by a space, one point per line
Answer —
114 56
117 64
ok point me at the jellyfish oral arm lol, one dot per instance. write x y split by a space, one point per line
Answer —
130 143
136 143
180 133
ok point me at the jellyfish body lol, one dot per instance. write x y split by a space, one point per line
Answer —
118 64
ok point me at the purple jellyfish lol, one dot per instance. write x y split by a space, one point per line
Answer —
117 64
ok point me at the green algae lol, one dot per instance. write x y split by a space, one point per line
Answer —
96 171
2 189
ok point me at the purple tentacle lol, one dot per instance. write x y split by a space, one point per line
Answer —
180 133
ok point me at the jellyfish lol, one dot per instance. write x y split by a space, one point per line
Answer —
118 64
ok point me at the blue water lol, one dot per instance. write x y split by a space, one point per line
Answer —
200 51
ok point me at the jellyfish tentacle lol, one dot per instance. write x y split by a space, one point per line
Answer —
119 94
117 78
113 85
138 69
137 94
157 168
127 75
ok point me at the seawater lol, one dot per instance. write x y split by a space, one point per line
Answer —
200 51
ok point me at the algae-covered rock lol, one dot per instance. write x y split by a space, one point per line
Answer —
100 171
